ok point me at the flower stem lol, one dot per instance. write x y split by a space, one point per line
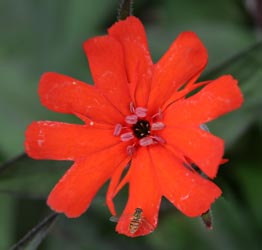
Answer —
125 9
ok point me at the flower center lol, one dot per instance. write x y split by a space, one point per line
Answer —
141 129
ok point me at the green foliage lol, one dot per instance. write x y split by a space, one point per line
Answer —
33 239
40 36
24 177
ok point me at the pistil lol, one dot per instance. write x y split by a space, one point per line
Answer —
141 129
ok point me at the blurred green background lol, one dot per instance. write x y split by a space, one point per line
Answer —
39 36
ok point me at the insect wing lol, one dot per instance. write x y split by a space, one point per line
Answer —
145 226
117 218
114 219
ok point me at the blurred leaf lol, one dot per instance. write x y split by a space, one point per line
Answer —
52 34
232 230
92 230
221 25
251 183
191 10
7 220
33 239
30 178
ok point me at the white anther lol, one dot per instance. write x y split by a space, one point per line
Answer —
159 139
131 119
141 112
127 136
117 130
157 125
146 141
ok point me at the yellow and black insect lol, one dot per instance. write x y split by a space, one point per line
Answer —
137 220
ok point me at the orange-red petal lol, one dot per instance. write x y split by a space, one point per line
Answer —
113 185
187 190
132 37
185 58
202 148
217 98
64 94
106 61
73 194
63 141
144 193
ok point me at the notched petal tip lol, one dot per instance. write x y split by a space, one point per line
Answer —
202 203
54 89
236 91
34 139
27 144
131 20
69 213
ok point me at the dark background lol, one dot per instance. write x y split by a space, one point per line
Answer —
39 36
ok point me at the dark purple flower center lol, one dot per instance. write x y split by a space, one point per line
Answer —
141 129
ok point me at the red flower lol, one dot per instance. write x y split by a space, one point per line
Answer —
136 112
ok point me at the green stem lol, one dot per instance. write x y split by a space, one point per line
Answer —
125 9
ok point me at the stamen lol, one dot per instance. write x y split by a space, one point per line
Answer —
141 112
131 119
146 141
127 136
157 126
131 150
158 115
117 129
132 107
159 139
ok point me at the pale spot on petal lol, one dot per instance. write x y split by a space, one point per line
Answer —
40 142
185 197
